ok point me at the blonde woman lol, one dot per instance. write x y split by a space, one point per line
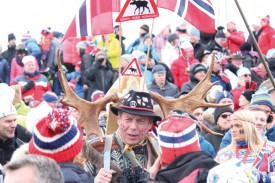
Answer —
248 146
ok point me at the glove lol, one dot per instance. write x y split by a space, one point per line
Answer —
29 86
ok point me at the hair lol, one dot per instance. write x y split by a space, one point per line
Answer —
46 169
256 108
253 138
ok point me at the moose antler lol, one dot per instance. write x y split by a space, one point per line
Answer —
191 101
88 111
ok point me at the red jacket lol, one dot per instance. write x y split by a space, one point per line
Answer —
267 39
238 91
179 72
234 41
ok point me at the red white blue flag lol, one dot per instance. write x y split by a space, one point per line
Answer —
93 18
199 13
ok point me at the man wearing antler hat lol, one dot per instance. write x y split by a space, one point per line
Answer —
129 147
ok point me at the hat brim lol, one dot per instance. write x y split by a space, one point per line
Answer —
242 57
136 112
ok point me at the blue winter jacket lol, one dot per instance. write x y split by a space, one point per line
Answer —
74 173
79 90
33 47
206 146
4 70
149 75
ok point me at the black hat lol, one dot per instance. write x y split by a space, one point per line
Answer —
220 34
220 111
172 37
11 37
198 67
137 103
245 46
145 27
248 94
237 55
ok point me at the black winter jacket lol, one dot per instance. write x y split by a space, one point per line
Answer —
74 173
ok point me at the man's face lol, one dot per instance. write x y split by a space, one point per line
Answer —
263 23
261 119
237 62
197 113
142 32
266 108
238 133
217 66
200 75
243 102
246 78
23 174
176 42
151 63
189 53
194 39
102 60
160 78
29 67
133 128
7 126
220 41
12 42
231 27
224 121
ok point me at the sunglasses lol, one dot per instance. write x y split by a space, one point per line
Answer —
247 75
224 116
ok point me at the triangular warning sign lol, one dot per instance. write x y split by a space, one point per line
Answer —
138 9
132 69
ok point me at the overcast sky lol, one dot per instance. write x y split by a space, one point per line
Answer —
19 16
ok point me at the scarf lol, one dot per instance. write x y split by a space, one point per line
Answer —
19 61
259 72
31 75
242 143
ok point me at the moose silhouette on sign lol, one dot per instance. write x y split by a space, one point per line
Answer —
140 4
133 70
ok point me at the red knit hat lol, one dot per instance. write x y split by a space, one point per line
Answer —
57 136
177 136
266 19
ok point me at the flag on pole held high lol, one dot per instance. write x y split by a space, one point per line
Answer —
199 13
94 17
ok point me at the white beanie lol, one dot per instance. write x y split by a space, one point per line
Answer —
28 58
242 71
186 45
6 108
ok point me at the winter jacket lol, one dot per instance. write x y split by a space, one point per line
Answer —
187 87
74 173
168 90
10 145
153 52
122 44
4 71
169 75
113 50
234 41
222 79
22 111
52 59
189 167
99 78
76 77
45 41
160 42
179 69
255 77
149 75
206 146
9 54
42 85
136 45
238 91
214 46
17 69
214 139
248 61
33 48
256 35
169 54
198 50
267 39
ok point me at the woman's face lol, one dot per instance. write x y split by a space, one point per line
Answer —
238 132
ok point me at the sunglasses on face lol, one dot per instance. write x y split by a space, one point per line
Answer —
224 116
247 75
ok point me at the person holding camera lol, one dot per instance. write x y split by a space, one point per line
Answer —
100 75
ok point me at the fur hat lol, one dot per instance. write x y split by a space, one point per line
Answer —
57 136
220 111
177 136
28 58
11 36
50 96
261 97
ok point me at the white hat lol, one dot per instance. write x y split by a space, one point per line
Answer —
6 108
242 71
28 58
82 45
6 92
186 45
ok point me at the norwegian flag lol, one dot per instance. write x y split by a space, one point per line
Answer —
199 13
93 18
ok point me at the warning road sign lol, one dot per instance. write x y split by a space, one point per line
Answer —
132 69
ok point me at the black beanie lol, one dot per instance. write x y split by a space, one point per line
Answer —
172 37
248 94
11 37
245 46
145 27
220 111
220 34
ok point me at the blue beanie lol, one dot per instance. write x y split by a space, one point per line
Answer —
195 32
224 94
50 97
261 97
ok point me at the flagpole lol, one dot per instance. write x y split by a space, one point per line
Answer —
120 49
256 45
147 56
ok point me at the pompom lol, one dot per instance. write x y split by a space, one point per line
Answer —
58 121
